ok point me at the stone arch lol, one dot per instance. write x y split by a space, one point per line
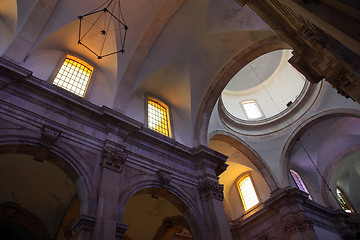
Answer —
330 170
301 129
63 160
175 195
250 154
213 92
17 220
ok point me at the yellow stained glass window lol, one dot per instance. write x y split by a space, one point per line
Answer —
247 192
158 117
74 76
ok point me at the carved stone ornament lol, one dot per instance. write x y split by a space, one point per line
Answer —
49 136
113 158
164 177
298 223
211 189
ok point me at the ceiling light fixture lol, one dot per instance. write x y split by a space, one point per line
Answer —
95 27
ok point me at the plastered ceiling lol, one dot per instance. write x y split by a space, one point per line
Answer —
176 44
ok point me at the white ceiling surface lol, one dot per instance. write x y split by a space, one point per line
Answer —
194 44
324 142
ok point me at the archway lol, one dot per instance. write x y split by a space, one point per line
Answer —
152 208
51 189
224 76
242 161
317 147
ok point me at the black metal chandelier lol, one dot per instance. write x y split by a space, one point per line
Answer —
97 25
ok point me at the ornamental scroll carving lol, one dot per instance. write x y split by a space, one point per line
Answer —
49 136
113 158
211 189
298 223
164 177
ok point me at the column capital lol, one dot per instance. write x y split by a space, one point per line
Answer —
113 158
83 224
211 189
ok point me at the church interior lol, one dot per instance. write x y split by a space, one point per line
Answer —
179 119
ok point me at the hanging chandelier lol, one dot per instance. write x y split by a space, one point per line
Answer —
97 27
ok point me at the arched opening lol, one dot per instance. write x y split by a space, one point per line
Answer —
156 213
50 189
343 176
224 77
242 164
324 152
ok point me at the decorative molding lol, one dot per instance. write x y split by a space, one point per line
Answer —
320 45
164 177
3 84
298 223
84 223
113 158
121 229
211 189
49 136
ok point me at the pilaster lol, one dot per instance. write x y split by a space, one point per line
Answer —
112 165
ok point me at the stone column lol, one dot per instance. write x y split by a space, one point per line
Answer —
107 226
211 195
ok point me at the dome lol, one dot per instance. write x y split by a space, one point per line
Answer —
267 85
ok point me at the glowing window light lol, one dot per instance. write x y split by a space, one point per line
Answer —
248 193
74 76
158 117
299 183
251 109
343 203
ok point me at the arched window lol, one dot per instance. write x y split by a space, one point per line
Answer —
345 205
158 117
74 76
248 193
299 183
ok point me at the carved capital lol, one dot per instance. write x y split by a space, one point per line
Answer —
113 158
83 224
298 223
49 136
164 177
211 189
343 81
